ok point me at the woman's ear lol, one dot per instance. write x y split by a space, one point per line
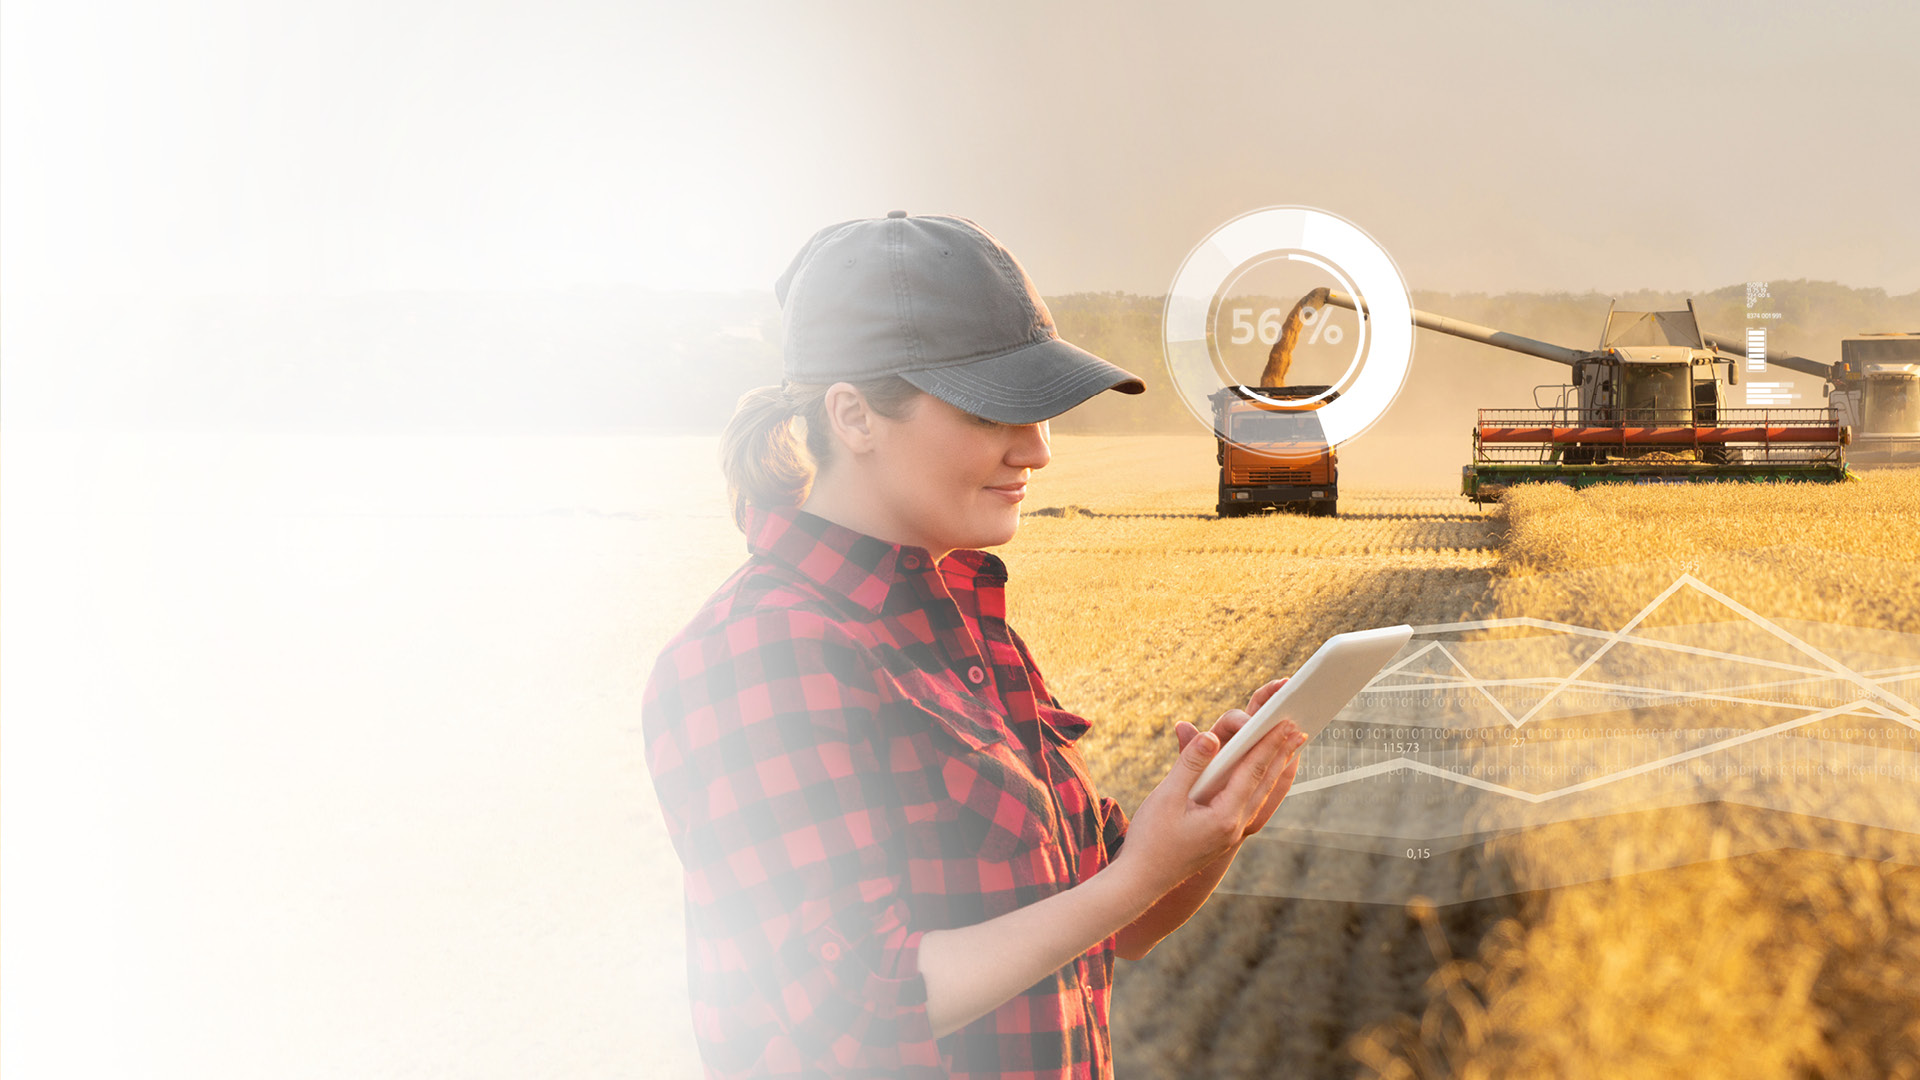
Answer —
850 417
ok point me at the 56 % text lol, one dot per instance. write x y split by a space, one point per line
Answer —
1267 329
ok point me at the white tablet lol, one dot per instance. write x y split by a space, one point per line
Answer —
1336 671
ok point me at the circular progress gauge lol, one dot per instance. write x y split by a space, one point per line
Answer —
1342 255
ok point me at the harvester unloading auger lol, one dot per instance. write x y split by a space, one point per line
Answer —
1646 406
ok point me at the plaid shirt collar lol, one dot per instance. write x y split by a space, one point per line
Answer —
862 568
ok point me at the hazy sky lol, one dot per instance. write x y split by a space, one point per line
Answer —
206 146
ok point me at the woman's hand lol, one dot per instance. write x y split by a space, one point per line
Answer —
1175 852
1172 835
1226 727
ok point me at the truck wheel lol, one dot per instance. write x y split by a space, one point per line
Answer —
1227 510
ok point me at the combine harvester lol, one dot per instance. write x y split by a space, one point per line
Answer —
1645 407
1874 390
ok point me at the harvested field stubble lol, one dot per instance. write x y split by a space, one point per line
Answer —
1144 609
1141 622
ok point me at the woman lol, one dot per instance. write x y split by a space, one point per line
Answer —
895 861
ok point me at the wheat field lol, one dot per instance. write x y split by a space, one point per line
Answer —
1799 961
1144 609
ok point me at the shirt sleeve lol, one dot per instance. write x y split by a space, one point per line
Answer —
801 957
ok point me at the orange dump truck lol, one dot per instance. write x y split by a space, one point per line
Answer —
1272 454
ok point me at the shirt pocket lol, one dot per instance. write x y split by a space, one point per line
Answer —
997 810
994 809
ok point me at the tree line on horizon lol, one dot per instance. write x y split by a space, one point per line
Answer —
610 360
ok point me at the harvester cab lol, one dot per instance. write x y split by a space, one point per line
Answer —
1876 389
1874 392
1660 368
1652 368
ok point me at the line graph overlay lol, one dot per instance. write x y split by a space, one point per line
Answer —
1500 723
1398 763
1686 709
1828 664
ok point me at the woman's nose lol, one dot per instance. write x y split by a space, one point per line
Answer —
1031 447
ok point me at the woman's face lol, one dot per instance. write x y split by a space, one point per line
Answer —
949 479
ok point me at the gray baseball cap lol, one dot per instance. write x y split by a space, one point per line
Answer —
938 301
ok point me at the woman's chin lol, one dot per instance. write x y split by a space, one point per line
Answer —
1005 533
994 529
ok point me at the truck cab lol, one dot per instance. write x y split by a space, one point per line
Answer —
1273 454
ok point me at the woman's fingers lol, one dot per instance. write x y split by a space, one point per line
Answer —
1229 723
1282 784
1260 779
1261 695
1193 760
1253 775
1233 720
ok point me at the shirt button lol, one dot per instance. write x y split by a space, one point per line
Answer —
829 951
911 562
975 675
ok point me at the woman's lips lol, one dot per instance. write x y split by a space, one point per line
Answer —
1013 493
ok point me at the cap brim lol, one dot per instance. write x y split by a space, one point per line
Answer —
1027 385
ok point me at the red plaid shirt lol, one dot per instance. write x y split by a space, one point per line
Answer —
852 747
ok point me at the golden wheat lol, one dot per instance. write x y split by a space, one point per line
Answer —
1802 959
1144 609
1553 528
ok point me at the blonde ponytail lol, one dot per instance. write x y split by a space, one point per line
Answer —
765 465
